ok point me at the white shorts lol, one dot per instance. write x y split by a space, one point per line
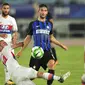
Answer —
23 74
26 82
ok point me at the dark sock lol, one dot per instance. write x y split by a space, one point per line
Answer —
49 82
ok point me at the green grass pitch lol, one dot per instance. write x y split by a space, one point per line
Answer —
71 60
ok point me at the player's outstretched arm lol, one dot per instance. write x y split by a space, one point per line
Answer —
19 44
25 44
53 40
14 37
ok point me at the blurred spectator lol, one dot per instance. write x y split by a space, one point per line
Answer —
80 1
45 1
66 2
1 1
17 2
36 7
58 3
73 2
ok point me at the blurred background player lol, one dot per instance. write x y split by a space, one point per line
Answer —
8 31
41 29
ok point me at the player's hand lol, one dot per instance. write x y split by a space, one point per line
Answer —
64 47
4 35
14 41
13 46
19 54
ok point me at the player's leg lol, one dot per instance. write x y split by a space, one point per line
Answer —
49 76
7 75
26 82
46 63
50 61
54 55
31 73
51 70
34 63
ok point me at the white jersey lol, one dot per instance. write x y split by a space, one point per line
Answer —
7 54
7 58
19 74
7 25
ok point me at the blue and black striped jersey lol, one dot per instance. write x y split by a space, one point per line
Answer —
41 32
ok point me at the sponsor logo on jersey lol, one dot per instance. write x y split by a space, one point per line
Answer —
41 31
37 26
5 28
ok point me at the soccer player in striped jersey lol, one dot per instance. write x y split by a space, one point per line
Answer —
8 30
41 30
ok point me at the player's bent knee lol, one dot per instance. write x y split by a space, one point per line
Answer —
51 64
33 73
39 74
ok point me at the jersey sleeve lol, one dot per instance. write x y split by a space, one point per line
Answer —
15 28
30 29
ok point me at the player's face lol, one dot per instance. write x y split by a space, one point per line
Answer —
5 10
43 12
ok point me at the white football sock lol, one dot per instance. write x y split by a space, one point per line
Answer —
49 76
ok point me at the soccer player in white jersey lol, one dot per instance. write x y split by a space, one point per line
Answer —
8 30
22 75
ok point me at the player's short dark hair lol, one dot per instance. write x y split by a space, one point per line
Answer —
43 5
5 4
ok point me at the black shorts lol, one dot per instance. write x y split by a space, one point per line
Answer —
54 52
36 63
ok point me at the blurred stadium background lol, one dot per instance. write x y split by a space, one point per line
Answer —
69 27
68 15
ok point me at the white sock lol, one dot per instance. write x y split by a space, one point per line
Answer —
49 76
56 77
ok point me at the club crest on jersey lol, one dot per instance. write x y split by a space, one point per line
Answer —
48 27
37 26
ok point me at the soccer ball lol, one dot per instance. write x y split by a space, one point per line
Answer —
37 52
